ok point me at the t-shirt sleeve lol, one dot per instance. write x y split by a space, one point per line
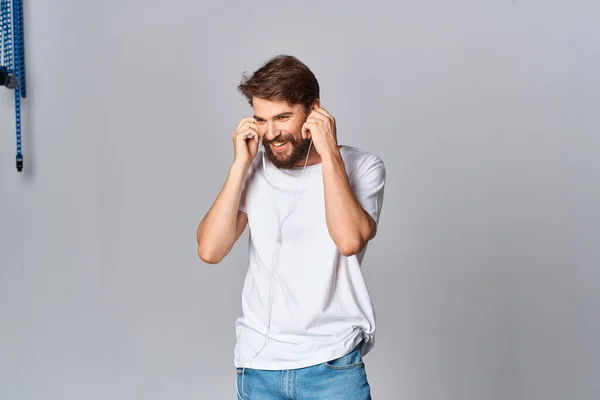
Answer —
368 187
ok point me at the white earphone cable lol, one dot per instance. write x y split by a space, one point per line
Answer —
280 226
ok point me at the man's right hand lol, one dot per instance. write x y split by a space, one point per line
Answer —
245 149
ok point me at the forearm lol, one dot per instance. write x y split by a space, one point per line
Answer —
348 224
216 233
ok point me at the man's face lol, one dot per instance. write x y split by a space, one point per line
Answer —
279 125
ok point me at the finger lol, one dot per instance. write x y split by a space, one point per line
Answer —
243 134
314 121
326 117
306 129
248 124
323 115
306 133
324 112
248 130
251 131
244 121
317 115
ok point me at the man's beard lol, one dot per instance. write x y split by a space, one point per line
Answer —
299 151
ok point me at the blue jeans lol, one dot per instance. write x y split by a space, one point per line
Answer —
344 378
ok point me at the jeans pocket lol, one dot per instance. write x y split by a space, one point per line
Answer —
351 360
358 364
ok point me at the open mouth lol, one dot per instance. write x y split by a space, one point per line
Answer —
279 146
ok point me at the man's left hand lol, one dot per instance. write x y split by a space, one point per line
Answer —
320 126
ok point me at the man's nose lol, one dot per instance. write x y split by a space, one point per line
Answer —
271 133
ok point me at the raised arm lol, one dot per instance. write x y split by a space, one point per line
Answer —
223 224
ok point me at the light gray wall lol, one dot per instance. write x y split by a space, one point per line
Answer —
484 273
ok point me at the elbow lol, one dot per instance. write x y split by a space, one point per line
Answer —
350 248
208 256
352 243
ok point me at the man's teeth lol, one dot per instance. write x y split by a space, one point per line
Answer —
278 144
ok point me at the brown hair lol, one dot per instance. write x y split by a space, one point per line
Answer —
283 77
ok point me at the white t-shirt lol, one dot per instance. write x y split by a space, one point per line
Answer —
320 305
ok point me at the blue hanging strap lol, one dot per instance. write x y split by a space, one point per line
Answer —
6 35
17 61
20 48
13 52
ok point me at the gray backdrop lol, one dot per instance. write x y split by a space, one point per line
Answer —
484 273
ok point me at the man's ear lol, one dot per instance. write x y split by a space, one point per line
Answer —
316 104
